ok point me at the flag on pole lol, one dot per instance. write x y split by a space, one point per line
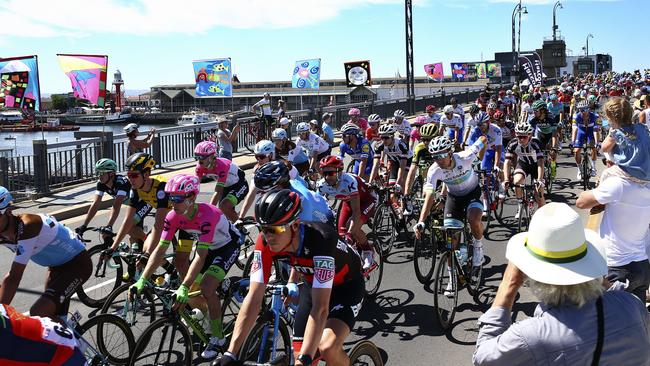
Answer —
357 73
306 74
19 84
213 77
87 75
434 71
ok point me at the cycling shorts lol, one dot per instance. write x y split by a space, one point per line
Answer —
394 170
63 281
238 191
185 242
219 261
544 139
528 170
367 205
487 163
345 304
456 207
583 138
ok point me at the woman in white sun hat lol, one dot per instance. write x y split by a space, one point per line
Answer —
576 321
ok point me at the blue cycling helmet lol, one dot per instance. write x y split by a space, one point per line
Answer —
5 199
482 118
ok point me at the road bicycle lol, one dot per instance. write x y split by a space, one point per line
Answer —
526 205
489 182
585 167
248 243
425 249
549 176
254 131
372 276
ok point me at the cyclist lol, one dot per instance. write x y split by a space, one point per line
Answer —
451 125
527 112
313 144
421 157
584 131
529 162
358 203
48 243
415 131
545 126
355 117
395 151
217 249
287 150
492 155
470 124
118 187
432 116
402 126
358 148
372 132
34 340
482 101
264 105
333 286
458 109
231 187
461 192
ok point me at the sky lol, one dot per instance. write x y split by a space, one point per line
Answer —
154 41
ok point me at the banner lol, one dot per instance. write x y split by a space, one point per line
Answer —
306 74
494 70
434 71
531 67
213 77
87 75
459 70
357 73
19 86
481 72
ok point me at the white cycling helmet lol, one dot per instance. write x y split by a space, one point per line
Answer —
264 147
448 109
440 144
130 128
279 133
350 129
523 128
302 127
399 114
387 130
374 118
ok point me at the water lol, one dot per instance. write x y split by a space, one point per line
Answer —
22 145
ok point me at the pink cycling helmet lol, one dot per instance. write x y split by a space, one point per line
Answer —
420 120
183 184
354 112
205 148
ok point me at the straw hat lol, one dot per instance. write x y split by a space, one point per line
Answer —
557 250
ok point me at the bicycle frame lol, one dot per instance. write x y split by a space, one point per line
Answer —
276 310
98 358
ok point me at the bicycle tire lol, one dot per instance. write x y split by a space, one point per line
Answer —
445 316
113 305
148 336
101 321
245 252
350 167
368 349
498 210
85 295
548 180
384 232
377 273
586 173
488 210
252 350
473 287
424 248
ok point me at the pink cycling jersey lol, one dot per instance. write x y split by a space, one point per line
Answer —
225 172
209 227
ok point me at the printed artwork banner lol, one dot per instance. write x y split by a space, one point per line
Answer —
87 75
306 74
434 71
19 85
531 67
213 77
494 70
459 70
481 71
357 73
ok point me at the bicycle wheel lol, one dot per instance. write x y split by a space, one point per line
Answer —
245 252
365 353
445 290
166 341
586 173
488 218
476 274
523 221
109 335
259 344
350 167
106 277
230 305
138 313
548 179
384 227
372 276
424 256
498 210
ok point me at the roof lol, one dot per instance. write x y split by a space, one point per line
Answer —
171 93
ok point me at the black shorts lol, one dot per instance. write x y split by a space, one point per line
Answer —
222 258
544 139
237 191
63 281
528 170
345 304
394 169
456 206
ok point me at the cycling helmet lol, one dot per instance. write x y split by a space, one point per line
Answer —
105 165
502 93
130 128
428 131
279 133
205 148
430 108
527 97
266 94
332 161
314 122
325 116
448 109
523 128
419 121
387 130
509 92
374 118
453 100
482 118
183 184
279 207
538 105
552 97
583 104
354 112
5 199
284 121
492 105
583 94
498 115
440 144
264 147
473 109
399 114
271 175
140 162
350 129
592 99
302 127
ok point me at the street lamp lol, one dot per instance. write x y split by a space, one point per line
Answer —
515 56
557 5
587 46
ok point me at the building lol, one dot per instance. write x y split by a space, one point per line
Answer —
597 63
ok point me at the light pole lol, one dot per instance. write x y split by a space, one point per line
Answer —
557 5
515 56
587 46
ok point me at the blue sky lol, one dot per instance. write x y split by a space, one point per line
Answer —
154 41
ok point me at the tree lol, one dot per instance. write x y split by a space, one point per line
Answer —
60 102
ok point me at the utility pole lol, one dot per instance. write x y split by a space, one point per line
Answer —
410 79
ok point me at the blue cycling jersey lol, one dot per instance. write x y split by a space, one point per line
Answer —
586 126
363 150
555 110
314 206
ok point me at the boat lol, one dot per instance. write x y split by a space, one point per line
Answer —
10 117
195 118
100 119
10 137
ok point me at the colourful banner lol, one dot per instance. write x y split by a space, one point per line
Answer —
87 74
357 73
494 70
19 86
434 71
306 74
481 72
213 77
531 66
459 70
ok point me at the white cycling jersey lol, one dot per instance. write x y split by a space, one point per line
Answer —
314 144
404 128
461 178
451 123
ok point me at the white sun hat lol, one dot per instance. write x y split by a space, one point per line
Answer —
557 250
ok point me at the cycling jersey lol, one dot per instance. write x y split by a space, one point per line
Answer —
461 179
451 124
265 105
372 135
403 129
458 109
314 206
528 109
421 155
145 201
290 152
361 151
313 145
585 129
493 135
555 110
528 154
32 340
322 258
121 188
396 152
546 126
224 171
54 245
361 122
433 118
208 226
347 186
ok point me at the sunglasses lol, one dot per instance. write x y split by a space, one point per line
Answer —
439 156
133 174
522 137
201 157
260 157
330 173
386 137
102 172
583 110
273 229
177 198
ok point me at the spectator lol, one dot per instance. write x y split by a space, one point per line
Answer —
327 128
285 123
135 145
282 110
576 322
225 138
